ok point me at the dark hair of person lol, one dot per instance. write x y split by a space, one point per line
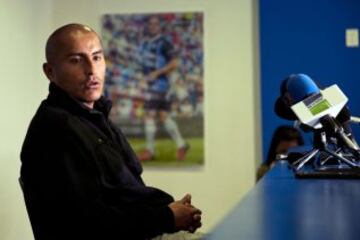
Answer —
282 133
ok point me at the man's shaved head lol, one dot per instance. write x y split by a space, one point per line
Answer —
57 39
76 63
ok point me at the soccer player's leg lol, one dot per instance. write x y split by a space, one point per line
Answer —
173 130
150 131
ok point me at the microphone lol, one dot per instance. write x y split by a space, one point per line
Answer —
293 89
296 88
310 104
332 127
354 119
316 108
300 86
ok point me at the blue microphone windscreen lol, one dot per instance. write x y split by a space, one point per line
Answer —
300 86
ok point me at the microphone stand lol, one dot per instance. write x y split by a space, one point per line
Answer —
354 119
323 153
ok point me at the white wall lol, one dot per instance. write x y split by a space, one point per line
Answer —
23 25
231 98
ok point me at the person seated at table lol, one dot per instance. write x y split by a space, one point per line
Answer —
284 138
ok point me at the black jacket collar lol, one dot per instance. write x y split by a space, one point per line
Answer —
59 97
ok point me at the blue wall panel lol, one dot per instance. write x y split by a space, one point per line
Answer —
307 36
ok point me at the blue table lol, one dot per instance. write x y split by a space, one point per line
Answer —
283 207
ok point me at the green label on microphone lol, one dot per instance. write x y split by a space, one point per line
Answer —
319 107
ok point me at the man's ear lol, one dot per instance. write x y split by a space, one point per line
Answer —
49 71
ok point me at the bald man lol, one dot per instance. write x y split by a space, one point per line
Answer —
80 177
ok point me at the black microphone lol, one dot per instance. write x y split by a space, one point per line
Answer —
282 104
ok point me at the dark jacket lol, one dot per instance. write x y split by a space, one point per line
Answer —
81 179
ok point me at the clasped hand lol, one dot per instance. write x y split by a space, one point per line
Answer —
187 217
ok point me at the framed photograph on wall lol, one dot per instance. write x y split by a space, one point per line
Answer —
155 80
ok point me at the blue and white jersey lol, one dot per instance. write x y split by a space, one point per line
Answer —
156 54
